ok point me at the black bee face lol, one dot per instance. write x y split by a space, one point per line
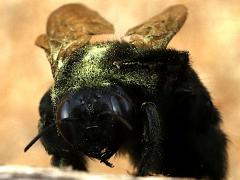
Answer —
88 119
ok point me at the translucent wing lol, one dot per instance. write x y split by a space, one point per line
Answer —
69 27
159 30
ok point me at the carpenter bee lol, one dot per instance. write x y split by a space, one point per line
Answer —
131 96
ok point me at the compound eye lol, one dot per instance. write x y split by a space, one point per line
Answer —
120 105
71 120
68 108
64 110
64 120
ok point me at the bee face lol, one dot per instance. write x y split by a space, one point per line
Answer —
88 119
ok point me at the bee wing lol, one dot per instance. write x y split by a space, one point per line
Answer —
159 30
70 27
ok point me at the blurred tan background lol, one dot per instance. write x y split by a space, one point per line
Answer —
211 34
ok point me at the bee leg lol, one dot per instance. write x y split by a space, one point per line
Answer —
76 162
108 154
151 155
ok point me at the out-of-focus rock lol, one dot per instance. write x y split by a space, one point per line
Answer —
37 173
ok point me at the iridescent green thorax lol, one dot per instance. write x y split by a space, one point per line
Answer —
100 65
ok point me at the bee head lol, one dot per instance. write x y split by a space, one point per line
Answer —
94 120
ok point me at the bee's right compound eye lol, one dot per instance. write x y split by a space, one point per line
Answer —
70 108
71 120
64 111
64 121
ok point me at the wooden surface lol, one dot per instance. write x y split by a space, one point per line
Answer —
37 173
